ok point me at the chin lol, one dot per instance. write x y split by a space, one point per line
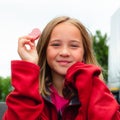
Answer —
63 72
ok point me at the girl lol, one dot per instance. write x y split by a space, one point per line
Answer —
60 78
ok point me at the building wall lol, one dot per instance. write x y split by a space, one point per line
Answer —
114 52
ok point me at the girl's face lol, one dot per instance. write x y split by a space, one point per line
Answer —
65 48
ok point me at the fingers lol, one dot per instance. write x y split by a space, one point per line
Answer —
29 39
26 40
27 49
26 46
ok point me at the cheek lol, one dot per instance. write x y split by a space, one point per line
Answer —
50 54
78 56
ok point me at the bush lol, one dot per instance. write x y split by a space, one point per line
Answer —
5 87
101 51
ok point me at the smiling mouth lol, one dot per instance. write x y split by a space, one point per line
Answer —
63 63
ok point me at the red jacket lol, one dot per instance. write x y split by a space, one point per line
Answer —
25 102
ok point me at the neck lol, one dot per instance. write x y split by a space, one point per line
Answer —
58 83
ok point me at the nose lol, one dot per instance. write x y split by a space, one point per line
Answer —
65 52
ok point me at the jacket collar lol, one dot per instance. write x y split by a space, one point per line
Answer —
73 101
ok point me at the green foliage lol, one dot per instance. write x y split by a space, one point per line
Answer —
101 51
5 87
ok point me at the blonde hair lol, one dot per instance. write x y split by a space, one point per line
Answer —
45 74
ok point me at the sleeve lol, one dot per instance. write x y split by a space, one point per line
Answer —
97 102
24 102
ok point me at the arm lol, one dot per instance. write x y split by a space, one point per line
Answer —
97 102
102 103
24 102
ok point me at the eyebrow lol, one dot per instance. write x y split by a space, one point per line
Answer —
72 41
77 41
55 40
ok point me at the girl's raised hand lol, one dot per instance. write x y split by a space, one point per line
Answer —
26 46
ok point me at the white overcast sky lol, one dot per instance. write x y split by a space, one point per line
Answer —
19 17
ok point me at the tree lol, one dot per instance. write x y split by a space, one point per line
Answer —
101 51
5 87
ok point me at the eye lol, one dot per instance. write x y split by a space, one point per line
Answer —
74 45
55 44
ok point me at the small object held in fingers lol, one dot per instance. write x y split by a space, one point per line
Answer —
35 34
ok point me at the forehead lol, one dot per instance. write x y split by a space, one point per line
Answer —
66 27
66 32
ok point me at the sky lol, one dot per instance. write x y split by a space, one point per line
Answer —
19 17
